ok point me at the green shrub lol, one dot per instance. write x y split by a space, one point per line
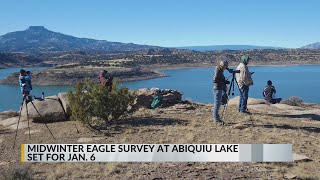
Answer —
92 100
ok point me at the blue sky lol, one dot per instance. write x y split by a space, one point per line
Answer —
282 23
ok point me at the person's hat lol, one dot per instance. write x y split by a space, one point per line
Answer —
244 59
22 71
224 63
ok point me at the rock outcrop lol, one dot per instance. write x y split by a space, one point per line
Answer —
8 114
65 103
145 97
12 121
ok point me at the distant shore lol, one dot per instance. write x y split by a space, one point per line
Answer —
147 72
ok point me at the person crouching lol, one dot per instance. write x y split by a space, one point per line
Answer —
269 92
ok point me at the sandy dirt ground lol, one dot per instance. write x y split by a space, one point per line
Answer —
176 125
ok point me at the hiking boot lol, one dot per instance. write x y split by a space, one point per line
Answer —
245 112
219 122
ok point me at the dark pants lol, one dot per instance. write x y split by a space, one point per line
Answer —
244 93
275 101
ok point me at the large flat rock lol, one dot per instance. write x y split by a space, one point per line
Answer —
50 110
12 121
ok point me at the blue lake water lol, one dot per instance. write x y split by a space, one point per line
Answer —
196 84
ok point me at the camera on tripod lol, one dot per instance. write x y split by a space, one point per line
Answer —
26 87
233 71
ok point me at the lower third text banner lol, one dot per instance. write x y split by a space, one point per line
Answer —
156 152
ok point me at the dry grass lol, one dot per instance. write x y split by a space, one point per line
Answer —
154 127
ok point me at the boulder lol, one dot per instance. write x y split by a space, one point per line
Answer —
145 97
8 114
143 101
65 103
13 121
50 110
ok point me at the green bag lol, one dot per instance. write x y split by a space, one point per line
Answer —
157 101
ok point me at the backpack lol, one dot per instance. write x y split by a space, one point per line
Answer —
157 101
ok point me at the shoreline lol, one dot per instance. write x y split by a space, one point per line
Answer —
185 66
158 68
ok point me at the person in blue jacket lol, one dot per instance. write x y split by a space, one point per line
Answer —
25 82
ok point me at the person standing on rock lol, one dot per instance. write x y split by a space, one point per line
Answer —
244 80
105 80
219 87
25 83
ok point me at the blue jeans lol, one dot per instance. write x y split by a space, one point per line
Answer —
244 93
217 102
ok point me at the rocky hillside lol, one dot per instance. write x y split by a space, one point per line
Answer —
166 56
312 46
18 59
71 74
40 39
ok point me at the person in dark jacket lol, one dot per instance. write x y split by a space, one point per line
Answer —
219 87
268 93
105 80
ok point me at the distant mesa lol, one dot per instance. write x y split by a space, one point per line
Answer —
37 28
227 47
40 39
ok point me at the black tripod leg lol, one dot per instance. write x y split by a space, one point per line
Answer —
45 122
226 105
28 119
15 137
224 111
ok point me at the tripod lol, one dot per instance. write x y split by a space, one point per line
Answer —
25 100
231 88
